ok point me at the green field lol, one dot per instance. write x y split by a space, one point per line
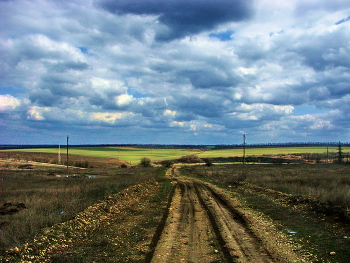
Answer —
133 155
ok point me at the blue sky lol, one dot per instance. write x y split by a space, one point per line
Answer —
174 72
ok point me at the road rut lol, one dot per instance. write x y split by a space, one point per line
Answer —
203 226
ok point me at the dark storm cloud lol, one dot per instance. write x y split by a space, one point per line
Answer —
183 17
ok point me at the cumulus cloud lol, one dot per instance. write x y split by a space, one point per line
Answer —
8 103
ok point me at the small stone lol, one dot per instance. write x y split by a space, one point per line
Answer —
332 253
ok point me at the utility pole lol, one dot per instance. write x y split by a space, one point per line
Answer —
67 151
244 148
59 153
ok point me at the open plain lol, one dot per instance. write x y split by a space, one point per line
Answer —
218 213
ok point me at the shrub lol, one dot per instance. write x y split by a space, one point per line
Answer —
208 161
190 159
166 163
145 162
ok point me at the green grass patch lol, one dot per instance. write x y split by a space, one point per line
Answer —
134 155
269 151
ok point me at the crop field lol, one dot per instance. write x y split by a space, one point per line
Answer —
133 155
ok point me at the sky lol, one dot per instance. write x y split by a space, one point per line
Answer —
174 71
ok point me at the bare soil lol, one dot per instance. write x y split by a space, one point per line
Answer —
205 224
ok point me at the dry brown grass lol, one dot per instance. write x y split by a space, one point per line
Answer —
53 195
326 183
74 160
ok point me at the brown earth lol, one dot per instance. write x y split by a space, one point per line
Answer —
205 224
52 159
200 223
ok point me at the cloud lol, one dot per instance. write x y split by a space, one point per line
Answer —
309 6
8 103
124 100
181 71
182 18
109 117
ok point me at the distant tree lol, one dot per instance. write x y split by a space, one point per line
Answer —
145 162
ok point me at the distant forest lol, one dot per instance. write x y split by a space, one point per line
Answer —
185 146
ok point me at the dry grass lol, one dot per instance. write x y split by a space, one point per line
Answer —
312 201
74 160
327 183
54 195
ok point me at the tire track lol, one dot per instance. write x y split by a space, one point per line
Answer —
237 241
187 235
202 227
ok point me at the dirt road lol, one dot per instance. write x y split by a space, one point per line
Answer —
203 225
199 223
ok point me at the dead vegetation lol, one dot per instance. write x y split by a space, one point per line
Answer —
36 198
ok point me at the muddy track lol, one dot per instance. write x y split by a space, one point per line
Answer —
202 226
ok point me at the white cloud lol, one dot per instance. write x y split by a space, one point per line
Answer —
109 117
36 113
124 100
169 113
8 103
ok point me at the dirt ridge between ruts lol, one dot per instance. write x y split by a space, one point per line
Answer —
276 243
60 236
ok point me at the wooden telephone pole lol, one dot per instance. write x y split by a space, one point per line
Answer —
67 151
244 148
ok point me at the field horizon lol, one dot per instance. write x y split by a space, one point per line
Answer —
134 154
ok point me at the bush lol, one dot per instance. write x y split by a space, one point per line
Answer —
190 159
145 162
208 161
166 163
